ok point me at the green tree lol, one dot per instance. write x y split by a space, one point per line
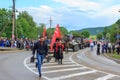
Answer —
26 25
75 33
85 33
40 29
99 36
64 31
5 22
113 34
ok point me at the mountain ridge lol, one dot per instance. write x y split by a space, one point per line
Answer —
93 30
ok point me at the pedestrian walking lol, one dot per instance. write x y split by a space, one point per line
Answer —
54 47
91 46
59 51
42 51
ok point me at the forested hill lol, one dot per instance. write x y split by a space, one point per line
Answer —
93 31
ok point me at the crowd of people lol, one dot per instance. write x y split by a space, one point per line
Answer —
108 47
17 43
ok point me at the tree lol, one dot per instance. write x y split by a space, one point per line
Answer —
64 31
75 33
85 33
5 22
26 25
99 36
114 31
40 28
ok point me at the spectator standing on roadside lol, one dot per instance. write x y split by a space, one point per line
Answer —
118 49
98 48
113 48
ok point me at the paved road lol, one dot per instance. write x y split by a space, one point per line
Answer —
82 65
12 68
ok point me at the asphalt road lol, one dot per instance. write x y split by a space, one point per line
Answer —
81 65
12 67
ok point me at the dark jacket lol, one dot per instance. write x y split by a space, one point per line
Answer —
41 49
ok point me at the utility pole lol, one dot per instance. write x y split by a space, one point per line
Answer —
13 15
50 22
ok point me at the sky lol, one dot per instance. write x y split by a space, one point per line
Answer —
72 14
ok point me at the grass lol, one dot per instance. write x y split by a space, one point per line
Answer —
93 37
115 55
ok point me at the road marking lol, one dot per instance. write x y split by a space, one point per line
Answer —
73 75
106 77
90 67
57 63
31 67
53 60
33 64
63 70
60 66
57 66
25 60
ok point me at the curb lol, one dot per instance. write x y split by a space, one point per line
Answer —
116 60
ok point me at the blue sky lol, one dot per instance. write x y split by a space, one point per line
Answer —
73 14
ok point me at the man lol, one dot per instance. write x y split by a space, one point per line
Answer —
42 51
98 48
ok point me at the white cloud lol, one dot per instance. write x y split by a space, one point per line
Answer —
109 12
43 13
77 13
82 4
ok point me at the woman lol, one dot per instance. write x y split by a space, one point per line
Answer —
59 51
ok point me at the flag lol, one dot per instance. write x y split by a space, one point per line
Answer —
44 32
56 35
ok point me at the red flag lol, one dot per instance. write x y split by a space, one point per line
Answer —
57 31
56 35
44 32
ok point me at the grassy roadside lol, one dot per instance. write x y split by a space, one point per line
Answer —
114 55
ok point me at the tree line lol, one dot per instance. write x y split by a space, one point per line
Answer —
26 26
111 33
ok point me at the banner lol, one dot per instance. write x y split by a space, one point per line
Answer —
57 34
44 32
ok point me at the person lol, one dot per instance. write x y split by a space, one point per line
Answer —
118 49
98 48
42 51
67 45
59 51
113 48
54 47
109 47
91 46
